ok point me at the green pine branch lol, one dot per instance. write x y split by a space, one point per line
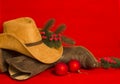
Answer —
60 29
107 65
52 44
48 25
117 65
68 40
48 34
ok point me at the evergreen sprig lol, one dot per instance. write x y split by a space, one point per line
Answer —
68 40
54 39
105 64
108 62
51 43
60 29
117 65
49 24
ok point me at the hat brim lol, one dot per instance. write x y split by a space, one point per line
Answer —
41 52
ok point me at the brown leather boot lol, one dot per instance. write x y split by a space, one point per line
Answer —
22 67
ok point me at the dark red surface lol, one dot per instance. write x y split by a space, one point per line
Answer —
96 76
91 23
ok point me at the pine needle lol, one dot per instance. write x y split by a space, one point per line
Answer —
60 29
68 40
49 24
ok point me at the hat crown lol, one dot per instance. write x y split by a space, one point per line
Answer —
24 29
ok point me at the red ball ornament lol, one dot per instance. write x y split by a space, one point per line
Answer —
74 65
61 68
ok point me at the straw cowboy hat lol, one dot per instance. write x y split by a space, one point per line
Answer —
22 35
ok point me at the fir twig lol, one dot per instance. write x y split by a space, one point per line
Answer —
110 62
54 39
117 65
105 64
68 40
49 24
60 29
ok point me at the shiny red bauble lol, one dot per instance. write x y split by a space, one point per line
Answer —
61 68
74 65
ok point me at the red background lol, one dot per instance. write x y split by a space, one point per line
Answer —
91 23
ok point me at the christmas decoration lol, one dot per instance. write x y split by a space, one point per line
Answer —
61 68
54 39
74 65
13 57
109 62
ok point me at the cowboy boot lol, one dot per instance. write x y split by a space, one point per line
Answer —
20 65
3 65
80 53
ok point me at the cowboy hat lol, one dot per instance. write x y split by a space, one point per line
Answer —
22 35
